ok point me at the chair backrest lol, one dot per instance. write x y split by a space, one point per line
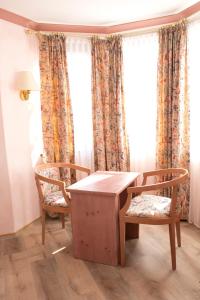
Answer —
52 173
167 177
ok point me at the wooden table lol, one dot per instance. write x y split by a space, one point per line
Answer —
96 201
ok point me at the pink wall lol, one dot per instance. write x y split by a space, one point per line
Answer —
20 130
6 215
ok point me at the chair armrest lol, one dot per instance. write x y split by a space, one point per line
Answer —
79 168
145 188
183 173
63 165
57 182
164 172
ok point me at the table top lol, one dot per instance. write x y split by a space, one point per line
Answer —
104 182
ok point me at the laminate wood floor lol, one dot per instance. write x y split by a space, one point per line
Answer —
31 271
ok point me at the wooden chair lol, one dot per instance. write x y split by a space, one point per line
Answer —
52 190
153 209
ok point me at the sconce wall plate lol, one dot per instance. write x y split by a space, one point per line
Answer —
24 94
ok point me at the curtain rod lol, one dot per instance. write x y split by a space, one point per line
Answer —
72 34
86 35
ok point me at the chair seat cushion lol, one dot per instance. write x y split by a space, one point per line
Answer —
56 199
149 206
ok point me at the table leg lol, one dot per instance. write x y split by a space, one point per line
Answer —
132 230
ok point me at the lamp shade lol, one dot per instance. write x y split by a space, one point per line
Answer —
26 81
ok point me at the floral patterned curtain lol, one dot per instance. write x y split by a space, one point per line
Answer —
111 151
55 99
173 107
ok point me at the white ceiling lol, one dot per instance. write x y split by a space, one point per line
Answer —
94 12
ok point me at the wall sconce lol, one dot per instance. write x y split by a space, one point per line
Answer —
25 83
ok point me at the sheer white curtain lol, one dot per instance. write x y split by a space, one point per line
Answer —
140 87
79 70
140 55
194 82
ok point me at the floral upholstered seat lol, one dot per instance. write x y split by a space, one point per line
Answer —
55 199
149 205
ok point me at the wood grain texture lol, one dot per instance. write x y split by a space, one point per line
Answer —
104 182
95 202
95 227
32 271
